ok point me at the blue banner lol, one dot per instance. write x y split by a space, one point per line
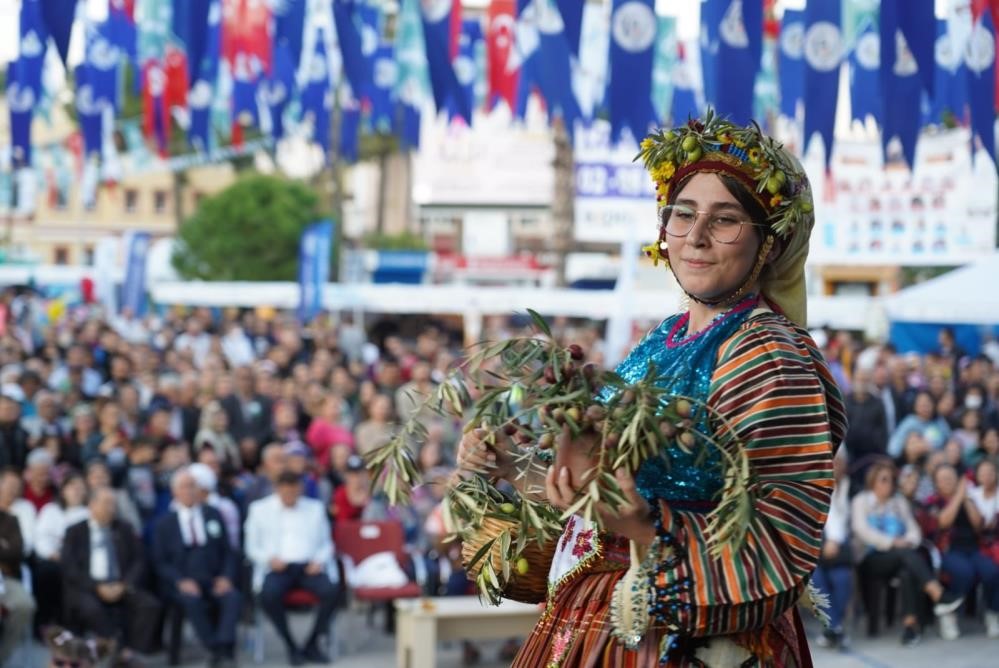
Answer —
314 253
90 111
21 102
121 27
316 96
712 12
384 75
900 83
865 76
981 62
190 27
466 65
103 58
572 17
950 85
546 62
436 17
34 41
245 82
917 20
133 290
629 96
823 55
203 87
289 27
276 90
740 42
59 16
791 62
685 104
356 66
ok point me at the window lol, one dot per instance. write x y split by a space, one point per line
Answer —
159 201
88 256
131 200
60 199
60 255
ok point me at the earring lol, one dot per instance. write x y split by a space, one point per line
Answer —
659 250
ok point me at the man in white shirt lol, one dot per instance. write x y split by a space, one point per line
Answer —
288 540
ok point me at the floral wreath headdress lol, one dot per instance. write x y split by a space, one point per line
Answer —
715 144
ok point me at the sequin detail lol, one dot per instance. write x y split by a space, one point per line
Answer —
685 369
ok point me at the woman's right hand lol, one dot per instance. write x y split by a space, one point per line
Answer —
494 460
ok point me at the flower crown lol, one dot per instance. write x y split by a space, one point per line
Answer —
715 144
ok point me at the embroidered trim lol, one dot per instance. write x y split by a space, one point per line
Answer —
673 339
595 551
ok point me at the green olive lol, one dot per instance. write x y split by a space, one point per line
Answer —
523 566
694 155
689 143
508 508
773 185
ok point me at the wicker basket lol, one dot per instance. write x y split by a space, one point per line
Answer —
532 587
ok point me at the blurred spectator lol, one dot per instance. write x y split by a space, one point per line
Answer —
213 433
409 398
110 442
955 532
11 502
13 437
351 498
886 538
249 412
298 461
103 569
55 518
273 462
76 373
923 420
47 421
38 489
98 476
867 433
378 429
207 483
15 599
834 573
969 433
197 568
288 541
327 429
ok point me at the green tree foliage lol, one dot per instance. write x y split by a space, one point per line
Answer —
248 232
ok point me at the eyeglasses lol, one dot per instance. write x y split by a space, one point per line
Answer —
725 227
66 663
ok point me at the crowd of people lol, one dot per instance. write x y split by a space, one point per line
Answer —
199 459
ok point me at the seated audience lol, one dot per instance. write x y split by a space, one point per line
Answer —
834 574
104 569
923 419
272 463
197 568
351 498
11 501
38 488
288 541
98 476
886 540
985 496
207 483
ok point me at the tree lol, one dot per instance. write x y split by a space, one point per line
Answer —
248 232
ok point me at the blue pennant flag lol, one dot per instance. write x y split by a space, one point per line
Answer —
900 83
412 88
712 12
823 56
276 90
203 87
190 27
466 65
915 21
121 29
368 19
314 252
356 66
950 85
133 295
629 95
33 43
350 125
865 76
245 84
685 104
316 95
740 43
59 16
545 60
791 62
572 16
89 108
981 66
444 82
289 27
103 59
21 103
384 75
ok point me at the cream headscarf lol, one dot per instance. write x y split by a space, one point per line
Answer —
783 280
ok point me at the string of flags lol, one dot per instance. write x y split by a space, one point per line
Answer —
209 72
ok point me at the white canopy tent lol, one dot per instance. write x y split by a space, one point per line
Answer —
965 296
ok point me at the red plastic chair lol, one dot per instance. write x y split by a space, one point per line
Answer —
359 540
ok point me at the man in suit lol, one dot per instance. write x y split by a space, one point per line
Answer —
103 570
249 411
197 567
288 540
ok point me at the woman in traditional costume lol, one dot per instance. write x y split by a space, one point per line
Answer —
645 588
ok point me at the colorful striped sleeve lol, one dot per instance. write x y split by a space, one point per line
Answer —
776 391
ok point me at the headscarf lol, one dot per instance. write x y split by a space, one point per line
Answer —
767 170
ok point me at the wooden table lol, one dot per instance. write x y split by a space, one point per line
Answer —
423 622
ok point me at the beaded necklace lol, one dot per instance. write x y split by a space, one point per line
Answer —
685 365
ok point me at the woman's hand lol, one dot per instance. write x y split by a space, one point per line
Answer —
633 520
494 460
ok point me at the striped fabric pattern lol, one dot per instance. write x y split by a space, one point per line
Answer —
778 394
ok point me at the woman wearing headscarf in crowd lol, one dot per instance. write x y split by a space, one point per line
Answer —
214 433
50 528
886 541
925 421
954 528
735 215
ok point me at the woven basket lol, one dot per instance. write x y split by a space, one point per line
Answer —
532 587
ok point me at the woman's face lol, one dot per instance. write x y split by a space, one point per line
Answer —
73 492
704 267
986 475
923 406
220 421
990 442
883 484
98 476
945 481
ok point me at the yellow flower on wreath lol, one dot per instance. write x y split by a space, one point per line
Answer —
754 155
647 144
664 172
775 201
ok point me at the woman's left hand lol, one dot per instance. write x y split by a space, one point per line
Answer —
633 520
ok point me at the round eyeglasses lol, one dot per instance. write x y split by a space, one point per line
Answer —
725 227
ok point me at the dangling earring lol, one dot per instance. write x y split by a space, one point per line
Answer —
659 250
